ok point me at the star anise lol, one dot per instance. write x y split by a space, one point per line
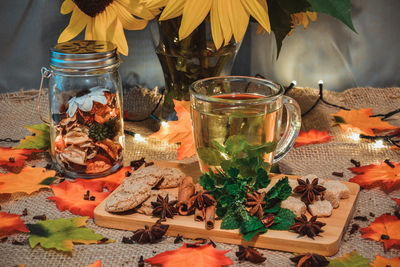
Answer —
150 234
306 227
268 220
163 208
310 260
250 254
256 201
309 191
202 199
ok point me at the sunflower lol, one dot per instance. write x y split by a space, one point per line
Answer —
104 20
302 19
228 17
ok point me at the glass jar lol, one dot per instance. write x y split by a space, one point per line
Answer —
85 97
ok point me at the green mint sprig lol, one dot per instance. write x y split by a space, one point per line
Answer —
243 171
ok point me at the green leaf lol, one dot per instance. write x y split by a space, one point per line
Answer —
281 190
235 144
49 180
230 221
351 259
207 182
40 139
340 9
251 227
218 146
283 220
259 150
272 207
210 156
61 234
280 23
262 179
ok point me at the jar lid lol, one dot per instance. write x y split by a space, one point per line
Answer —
83 55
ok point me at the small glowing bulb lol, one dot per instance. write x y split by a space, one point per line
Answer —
294 82
139 138
320 82
164 124
379 144
354 136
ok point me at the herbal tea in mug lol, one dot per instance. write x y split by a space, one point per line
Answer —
241 117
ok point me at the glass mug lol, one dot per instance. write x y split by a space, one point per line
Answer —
222 107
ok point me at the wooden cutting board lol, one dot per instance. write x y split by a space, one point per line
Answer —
327 245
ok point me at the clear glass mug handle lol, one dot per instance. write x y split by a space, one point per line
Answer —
293 124
46 73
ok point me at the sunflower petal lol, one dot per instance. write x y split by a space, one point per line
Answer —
239 19
88 31
173 9
76 24
155 4
67 7
312 15
128 21
100 28
216 30
136 8
194 13
117 36
224 20
259 10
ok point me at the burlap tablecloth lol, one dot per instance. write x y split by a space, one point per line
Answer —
18 109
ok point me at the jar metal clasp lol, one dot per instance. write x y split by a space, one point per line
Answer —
46 73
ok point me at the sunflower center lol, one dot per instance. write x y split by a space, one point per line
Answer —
92 7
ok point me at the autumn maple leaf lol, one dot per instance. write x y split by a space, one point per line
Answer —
359 121
179 131
386 229
199 256
95 264
11 224
349 259
28 180
397 200
40 139
14 157
382 175
380 261
112 181
70 196
312 137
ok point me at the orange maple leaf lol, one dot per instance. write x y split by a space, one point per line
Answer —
179 131
28 180
70 196
95 264
112 181
380 261
359 121
15 157
11 224
205 255
386 229
312 137
382 175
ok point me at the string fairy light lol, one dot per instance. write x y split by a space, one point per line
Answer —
164 124
138 138
379 144
353 136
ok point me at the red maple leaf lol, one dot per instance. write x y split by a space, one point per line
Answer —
14 157
312 137
205 255
386 229
112 181
11 224
359 121
179 131
70 196
382 175
397 200
95 264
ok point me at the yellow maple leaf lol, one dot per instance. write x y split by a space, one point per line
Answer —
359 121
28 180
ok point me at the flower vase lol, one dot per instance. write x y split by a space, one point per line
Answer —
186 61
